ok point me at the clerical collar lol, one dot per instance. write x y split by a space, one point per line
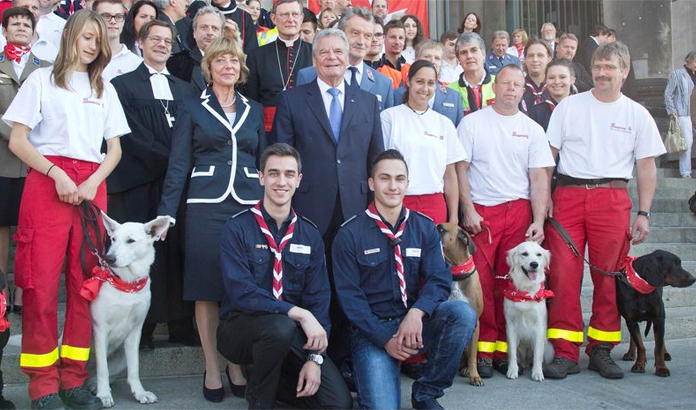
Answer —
153 71
288 43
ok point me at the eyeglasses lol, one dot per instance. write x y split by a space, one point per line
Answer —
157 40
286 16
118 17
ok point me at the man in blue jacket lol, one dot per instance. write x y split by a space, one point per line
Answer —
276 311
392 283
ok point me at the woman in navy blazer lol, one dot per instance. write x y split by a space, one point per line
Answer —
217 141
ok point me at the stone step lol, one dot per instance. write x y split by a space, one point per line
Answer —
672 220
672 297
690 266
680 323
672 235
666 193
669 205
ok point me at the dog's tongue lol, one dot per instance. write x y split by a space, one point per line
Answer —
532 275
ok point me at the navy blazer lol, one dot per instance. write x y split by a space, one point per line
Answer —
447 102
372 81
218 158
329 167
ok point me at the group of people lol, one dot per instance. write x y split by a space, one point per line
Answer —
305 187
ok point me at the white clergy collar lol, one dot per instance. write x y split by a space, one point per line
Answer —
160 84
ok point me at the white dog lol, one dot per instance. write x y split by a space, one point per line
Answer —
525 309
117 314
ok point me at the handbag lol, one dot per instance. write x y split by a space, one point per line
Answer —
675 141
692 203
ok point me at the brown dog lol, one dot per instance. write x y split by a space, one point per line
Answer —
458 248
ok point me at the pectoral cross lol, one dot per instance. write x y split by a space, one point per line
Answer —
170 119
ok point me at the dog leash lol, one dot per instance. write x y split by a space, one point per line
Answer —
89 220
621 274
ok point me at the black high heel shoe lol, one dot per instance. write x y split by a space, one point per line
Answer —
237 390
15 308
212 395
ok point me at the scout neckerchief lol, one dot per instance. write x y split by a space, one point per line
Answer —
90 287
15 52
277 250
536 92
395 239
638 283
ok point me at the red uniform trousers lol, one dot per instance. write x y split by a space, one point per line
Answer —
49 232
507 225
599 218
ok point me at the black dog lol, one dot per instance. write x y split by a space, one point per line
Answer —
4 337
658 269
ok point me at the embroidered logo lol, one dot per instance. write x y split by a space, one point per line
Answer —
86 100
437 137
625 130
515 134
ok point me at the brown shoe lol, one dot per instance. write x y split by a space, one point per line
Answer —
601 361
485 367
560 367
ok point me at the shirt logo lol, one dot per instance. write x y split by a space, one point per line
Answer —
625 130
437 137
261 246
515 134
86 100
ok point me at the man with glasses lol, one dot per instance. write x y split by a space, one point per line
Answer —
273 68
122 59
150 98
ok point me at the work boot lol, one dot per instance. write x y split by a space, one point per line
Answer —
48 402
560 367
429 404
485 367
501 365
601 361
80 398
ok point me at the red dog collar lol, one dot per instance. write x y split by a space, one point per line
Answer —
4 323
90 287
464 270
638 283
515 295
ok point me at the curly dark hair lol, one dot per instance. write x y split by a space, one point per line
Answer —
419 28
460 30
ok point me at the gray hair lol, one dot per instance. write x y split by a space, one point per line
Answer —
690 57
470 38
500 34
330 32
355 12
614 49
209 10
161 4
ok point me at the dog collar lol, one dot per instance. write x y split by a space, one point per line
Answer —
4 323
515 295
463 271
636 282
90 287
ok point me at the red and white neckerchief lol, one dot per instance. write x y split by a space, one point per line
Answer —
536 92
4 323
277 250
520 50
15 52
552 105
90 287
371 211
638 283
515 295
465 269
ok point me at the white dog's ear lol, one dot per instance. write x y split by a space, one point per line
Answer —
158 226
512 257
109 223
547 257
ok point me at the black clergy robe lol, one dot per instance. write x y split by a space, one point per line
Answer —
270 69
134 187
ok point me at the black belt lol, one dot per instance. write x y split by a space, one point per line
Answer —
564 180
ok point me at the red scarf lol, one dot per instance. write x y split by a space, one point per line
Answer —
277 250
4 323
465 268
371 211
90 287
15 52
520 50
515 295
638 283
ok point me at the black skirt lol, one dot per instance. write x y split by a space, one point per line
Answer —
10 199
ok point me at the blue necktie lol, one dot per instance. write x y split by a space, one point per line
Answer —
354 77
335 113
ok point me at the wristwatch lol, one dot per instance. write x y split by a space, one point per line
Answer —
644 213
316 358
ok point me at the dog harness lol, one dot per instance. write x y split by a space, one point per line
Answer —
90 287
4 323
636 282
395 239
463 271
515 295
277 250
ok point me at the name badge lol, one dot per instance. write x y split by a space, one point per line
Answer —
446 104
297 248
379 98
371 251
413 252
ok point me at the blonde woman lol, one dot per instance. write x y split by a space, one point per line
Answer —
519 39
66 168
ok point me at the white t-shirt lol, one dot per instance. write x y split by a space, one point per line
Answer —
66 123
428 142
502 149
123 62
602 140
44 50
50 28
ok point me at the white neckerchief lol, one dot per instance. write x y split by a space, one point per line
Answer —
160 84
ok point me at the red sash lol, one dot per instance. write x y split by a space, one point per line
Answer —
90 287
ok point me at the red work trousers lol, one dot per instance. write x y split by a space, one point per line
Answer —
600 219
49 233
507 225
432 205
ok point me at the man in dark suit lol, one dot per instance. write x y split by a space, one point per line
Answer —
359 26
337 130
174 11
600 35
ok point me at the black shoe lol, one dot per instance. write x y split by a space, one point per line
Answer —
80 398
413 370
501 365
426 404
212 395
48 402
6 404
560 367
601 361
237 390
485 367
